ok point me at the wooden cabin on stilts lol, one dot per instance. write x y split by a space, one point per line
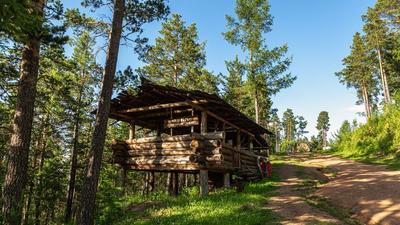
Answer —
194 133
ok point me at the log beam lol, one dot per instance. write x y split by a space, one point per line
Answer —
219 118
162 106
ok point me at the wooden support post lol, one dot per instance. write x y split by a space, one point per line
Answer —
203 124
227 180
251 144
203 177
132 131
195 179
145 189
238 147
171 131
152 181
192 127
176 183
124 179
223 129
238 140
186 180
170 183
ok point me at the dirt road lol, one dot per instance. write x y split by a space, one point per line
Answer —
351 192
289 202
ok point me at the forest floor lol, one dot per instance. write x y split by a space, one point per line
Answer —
324 189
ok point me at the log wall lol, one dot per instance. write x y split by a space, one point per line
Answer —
185 153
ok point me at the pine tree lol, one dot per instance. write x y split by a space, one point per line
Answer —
276 127
128 18
358 73
85 72
233 85
42 30
301 127
289 126
376 37
47 170
389 11
178 59
323 126
343 132
265 69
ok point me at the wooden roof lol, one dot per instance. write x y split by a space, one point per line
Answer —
152 97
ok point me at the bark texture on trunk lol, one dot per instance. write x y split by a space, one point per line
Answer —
256 97
29 194
324 138
17 159
38 196
366 102
385 86
74 160
87 202
256 107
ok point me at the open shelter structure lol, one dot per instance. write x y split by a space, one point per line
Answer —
189 132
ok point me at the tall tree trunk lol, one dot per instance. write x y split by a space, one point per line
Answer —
42 150
74 158
276 137
256 97
38 144
385 85
324 138
366 101
175 78
256 106
27 206
17 159
38 196
88 196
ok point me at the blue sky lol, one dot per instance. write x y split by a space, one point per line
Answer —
318 33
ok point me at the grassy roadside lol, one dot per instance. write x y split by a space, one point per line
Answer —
391 161
224 206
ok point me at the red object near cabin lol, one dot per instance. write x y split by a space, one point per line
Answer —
269 169
263 168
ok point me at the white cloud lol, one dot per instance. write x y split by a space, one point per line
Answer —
355 109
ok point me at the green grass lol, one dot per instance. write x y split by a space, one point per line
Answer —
224 206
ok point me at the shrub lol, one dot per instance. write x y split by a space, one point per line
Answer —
379 136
